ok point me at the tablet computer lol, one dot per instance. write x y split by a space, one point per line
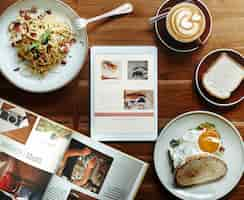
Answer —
123 93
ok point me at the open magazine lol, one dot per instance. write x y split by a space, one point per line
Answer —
40 159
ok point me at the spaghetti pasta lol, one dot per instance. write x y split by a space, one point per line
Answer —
41 39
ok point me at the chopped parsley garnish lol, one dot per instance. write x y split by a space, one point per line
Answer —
35 45
174 143
16 69
206 125
45 37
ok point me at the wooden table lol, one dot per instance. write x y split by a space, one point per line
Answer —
70 105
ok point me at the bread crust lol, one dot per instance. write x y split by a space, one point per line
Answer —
209 90
203 157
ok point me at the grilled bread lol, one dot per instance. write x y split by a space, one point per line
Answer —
200 169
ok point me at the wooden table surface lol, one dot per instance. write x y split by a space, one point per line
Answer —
70 105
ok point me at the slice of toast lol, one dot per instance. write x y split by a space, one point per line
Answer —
223 77
200 169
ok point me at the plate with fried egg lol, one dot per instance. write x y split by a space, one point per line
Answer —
199 155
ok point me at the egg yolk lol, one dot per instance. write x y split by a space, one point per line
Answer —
209 141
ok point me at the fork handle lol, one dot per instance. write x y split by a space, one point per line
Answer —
123 9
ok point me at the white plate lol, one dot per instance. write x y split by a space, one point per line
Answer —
234 156
201 92
60 75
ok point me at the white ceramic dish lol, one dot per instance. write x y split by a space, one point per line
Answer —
60 75
201 91
164 42
234 152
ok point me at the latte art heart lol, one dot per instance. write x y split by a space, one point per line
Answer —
186 22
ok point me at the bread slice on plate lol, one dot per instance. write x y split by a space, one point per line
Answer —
223 77
200 169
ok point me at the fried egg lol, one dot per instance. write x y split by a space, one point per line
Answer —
203 139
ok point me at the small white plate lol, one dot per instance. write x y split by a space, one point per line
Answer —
61 74
234 156
235 98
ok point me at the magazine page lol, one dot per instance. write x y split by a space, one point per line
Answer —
21 181
91 170
123 91
31 138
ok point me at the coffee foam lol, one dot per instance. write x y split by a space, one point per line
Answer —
186 22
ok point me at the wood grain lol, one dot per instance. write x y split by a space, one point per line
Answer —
70 105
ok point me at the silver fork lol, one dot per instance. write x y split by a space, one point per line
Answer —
126 8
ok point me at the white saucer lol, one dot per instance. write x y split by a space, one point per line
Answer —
60 75
234 156
231 101
162 38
